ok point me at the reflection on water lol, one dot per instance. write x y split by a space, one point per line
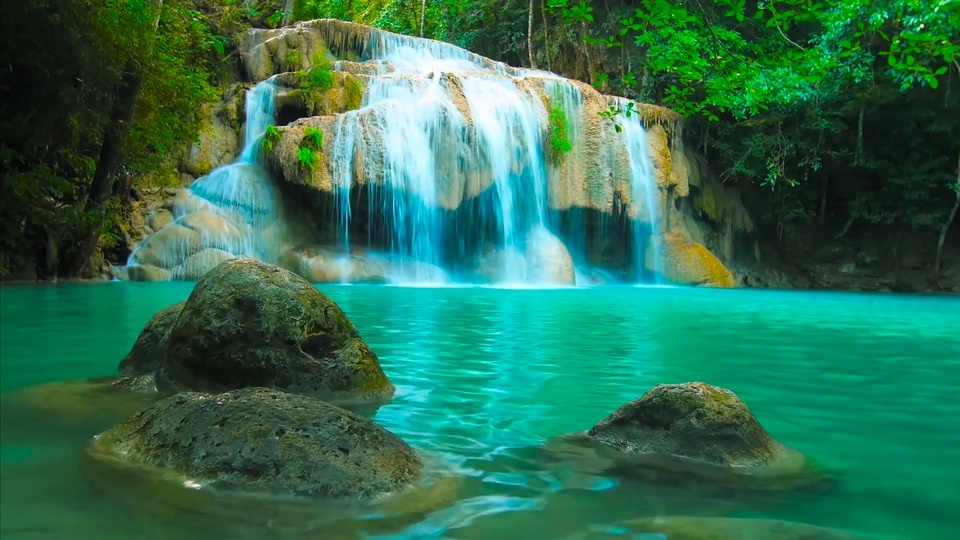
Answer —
865 384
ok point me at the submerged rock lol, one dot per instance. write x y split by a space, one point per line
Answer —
53 409
698 428
260 440
689 263
248 323
548 260
144 357
701 528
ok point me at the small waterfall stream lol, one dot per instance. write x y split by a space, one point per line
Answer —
232 212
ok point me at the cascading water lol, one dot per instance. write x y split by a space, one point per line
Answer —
231 212
449 169
643 190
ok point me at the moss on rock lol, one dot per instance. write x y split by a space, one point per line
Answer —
703 429
259 440
690 263
248 323
144 357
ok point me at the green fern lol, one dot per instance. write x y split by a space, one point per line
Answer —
270 138
307 157
313 138
319 75
560 143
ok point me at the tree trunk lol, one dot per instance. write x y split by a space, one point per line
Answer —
546 34
530 35
111 154
423 16
946 225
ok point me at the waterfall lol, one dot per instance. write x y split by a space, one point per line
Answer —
448 170
643 190
231 212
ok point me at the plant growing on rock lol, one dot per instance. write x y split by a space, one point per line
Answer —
319 76
310 147
270 138
560 143
292 60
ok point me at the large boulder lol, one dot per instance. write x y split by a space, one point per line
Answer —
248 323
699 427
690 263
144 357
259 440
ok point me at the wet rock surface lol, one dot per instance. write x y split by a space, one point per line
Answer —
248 324
144 356
262 441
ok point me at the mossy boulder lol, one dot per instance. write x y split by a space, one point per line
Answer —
259 440
690 263
144 356
698 427
701 528
248 323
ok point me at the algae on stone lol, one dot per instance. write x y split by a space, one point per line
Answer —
702 429
259 440
144 356
248 323
690 263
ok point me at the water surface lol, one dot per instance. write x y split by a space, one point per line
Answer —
864 383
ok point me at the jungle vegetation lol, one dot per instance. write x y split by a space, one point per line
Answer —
837 114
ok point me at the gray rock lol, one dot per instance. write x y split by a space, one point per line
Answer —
696 423
144 357
248 323
258 440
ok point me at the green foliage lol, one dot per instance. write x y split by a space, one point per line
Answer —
320 75
273 21
312 138
307 157
58 92
270 138
292 60
310 147
560 143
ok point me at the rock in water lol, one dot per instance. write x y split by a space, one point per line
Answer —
548 260
248 323
697 423
690 263
144 357
259 440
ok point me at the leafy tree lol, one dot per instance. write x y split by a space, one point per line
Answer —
92 92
